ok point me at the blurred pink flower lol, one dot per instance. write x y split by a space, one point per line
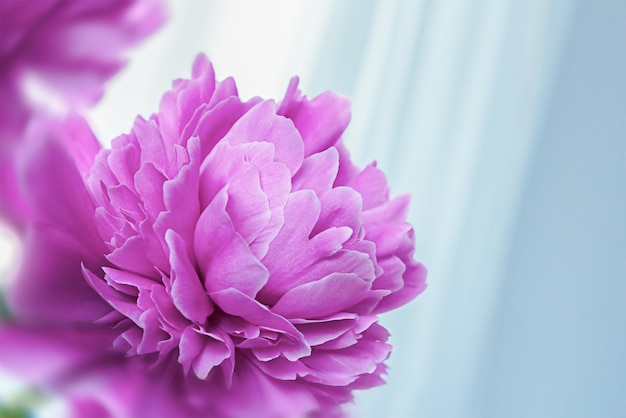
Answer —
65 49
226 255
55 56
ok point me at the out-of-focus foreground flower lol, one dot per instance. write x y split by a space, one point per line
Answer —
223 259
55 56
64 50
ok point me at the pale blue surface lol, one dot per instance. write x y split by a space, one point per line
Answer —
557 346
526 317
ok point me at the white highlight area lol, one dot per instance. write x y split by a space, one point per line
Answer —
10 254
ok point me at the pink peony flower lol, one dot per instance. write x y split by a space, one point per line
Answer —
224 254
66 48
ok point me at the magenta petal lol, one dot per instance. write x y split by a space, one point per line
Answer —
414 284
127 282
215 123
390 238
56 191
248 205
121 302
309 258
393 211
187 292
126 201
391 277
180 196
213 354
227 161
238 304
70 48
341 207
45 355
85 407
261 123
318 172
319 331
80 142
342 367
52 288
148 183
201 352
320 121
371 183
224 258
178 105
176 192
171 316
151 144
314 300
232 251
255 394
291 244
132 256
119 164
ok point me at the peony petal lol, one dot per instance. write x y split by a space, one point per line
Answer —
283 369
371 183
187 292
391 277
347 169
180 196
320 121
56 191
121 302
225 161
342 367
118 165
148 183
126 282
292 244
50 287
414 284
171 316
234 302
224 258
255 394
132 256
151 144
126 203
223 90
261 123
341 207
80 142
178 105
64 234
42 356
390 238
319 331
323 297
395 210
215 123
318 172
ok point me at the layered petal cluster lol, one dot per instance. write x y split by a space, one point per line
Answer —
236 233
228 247
66 49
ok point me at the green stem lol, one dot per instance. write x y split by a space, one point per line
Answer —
4 314
22 405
